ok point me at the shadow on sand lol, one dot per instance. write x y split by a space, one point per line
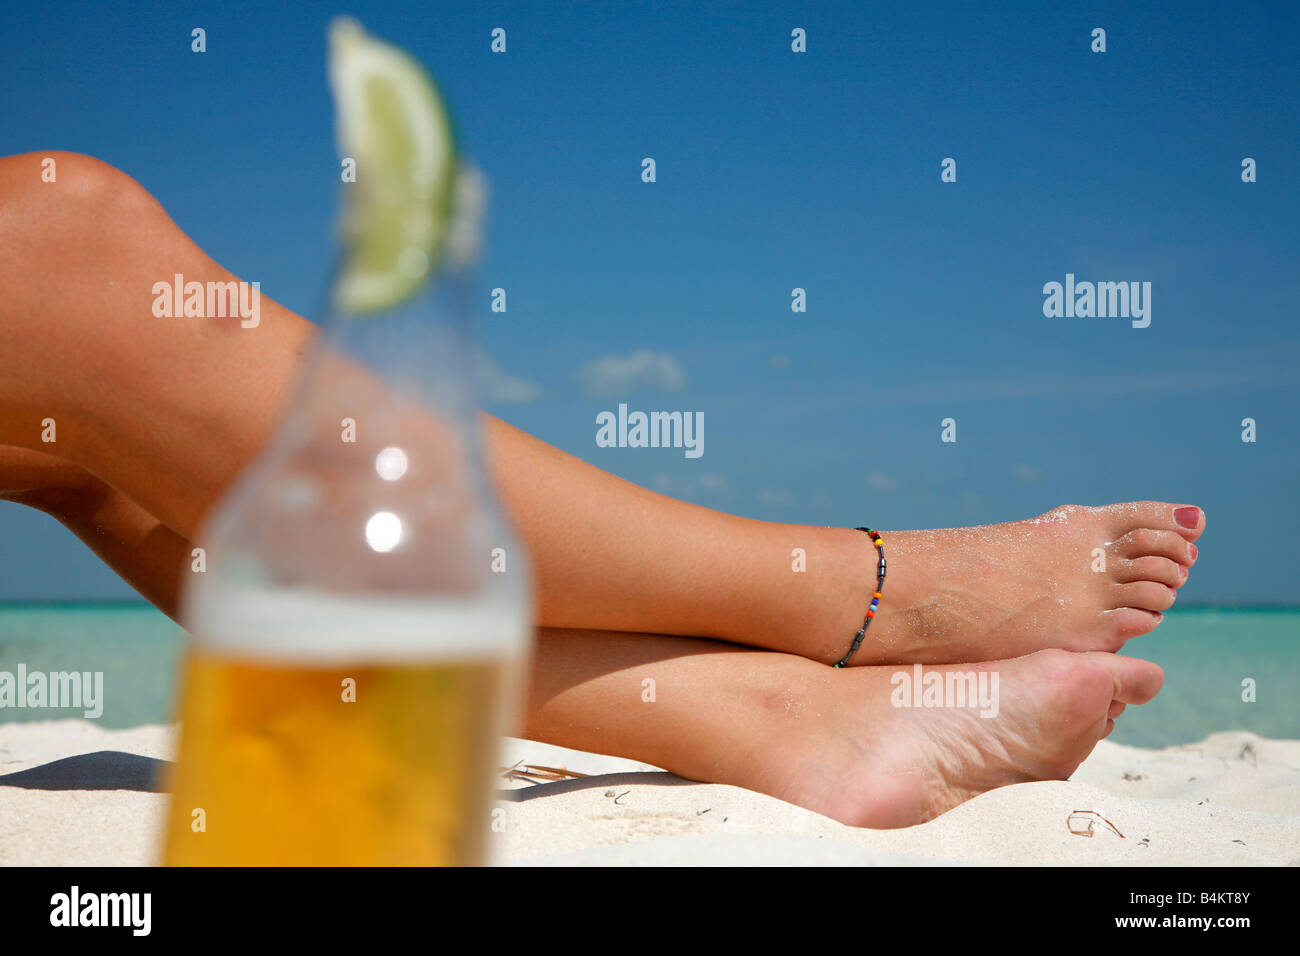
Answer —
612 780
102 770
117 770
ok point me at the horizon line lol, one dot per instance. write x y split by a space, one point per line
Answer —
1226 605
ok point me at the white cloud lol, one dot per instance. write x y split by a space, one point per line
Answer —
774 496
614 374
497 385
879 481
688 487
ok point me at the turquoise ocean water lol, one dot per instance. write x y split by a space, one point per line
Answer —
1206 654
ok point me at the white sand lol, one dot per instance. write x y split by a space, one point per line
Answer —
1233 798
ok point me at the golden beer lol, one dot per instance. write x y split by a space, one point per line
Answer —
288 771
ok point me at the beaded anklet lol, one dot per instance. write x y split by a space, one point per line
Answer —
875 598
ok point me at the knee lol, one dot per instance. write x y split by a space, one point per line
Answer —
51 190
60 214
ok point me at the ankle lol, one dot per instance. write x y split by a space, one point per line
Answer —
761 721
846 586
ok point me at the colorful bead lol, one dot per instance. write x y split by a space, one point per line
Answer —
876 596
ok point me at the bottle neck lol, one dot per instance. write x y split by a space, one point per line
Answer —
405 377
375 480
422 351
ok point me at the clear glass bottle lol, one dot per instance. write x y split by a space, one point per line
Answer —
361 630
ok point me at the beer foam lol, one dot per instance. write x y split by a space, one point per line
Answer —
299 625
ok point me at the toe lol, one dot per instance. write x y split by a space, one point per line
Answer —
1188 521
1144 595
1135 681
1150 568
1144 542
1129 622
1116 708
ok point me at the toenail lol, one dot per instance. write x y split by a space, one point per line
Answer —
1188 517
1194 552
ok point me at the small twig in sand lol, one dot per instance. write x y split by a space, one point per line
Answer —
536 774
1088 822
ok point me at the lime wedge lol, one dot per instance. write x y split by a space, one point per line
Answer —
394 123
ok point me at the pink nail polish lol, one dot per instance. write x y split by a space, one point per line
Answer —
1194 551
1188 517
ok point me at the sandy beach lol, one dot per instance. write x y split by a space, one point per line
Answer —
72 793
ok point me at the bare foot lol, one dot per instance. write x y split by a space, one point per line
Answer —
1076 578
853 755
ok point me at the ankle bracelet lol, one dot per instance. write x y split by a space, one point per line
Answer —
875 598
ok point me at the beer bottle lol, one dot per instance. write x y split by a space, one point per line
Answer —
359 635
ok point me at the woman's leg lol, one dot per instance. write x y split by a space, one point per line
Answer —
829 740
147 554
834 741
168 411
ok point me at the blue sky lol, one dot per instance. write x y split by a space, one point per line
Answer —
779 170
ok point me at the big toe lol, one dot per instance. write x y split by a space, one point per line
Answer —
1187 520
1133 680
